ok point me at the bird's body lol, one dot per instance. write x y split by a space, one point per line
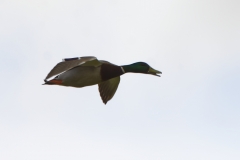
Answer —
81 76
87 71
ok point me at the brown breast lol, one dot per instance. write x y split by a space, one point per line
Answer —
109 71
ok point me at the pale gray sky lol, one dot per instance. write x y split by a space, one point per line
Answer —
191 112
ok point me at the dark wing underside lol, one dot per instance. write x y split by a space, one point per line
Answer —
108 88
70 63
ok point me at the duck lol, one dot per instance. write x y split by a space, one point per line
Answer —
87 71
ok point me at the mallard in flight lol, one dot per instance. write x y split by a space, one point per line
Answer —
86 71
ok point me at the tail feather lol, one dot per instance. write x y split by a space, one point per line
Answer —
53 82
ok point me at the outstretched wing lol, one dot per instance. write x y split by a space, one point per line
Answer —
69 63
108 88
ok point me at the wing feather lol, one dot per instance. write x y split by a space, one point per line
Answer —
108 88
69 63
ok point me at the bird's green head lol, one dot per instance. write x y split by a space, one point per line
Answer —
141 67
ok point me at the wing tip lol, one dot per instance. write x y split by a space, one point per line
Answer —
104 99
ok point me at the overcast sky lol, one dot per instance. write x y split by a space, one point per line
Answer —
190 113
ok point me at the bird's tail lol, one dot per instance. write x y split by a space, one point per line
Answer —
53 82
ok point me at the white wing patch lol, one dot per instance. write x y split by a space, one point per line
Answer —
69 63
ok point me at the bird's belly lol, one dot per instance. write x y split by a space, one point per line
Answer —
81 76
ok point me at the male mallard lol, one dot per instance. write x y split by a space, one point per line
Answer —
87 71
